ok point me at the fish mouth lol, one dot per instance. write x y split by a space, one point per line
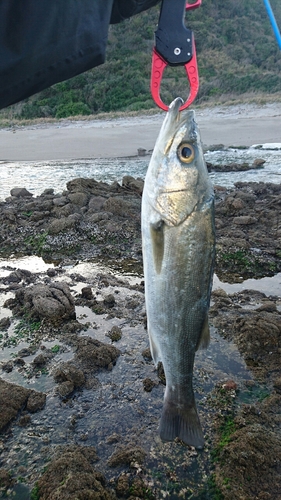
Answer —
169 191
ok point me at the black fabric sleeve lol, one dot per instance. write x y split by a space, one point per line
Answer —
46 41
123 9
43 42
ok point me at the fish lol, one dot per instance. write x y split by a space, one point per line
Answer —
178 245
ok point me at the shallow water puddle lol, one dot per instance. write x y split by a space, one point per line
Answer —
31 263
43 380
268 285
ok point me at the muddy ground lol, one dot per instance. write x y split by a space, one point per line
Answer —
80 399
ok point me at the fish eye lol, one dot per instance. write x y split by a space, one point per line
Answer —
186 153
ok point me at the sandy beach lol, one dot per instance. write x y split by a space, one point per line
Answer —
238 125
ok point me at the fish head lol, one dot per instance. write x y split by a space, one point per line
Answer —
177 178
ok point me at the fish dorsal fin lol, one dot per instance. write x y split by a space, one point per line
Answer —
204 339
157 237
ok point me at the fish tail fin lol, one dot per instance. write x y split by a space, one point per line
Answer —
182 422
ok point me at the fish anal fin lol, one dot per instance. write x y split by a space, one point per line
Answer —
204 339
182 422
157 238
156 356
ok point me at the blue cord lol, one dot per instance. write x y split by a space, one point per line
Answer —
273 22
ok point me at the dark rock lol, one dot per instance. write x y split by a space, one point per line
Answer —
148 384
133 184
268 306
258 162
109 300
63 213
126 456
147 354
65 388
87 293
13 277
230 385
20 193
96 203
78 198
40 360
60 225
36 216
99 216
5 323
6 480
123 486
51 272
244 220
48 191
24 420
19 362
13 398
69 372
60 201
115 334
53 302
118 206
75 217
72 468
26 351
7 366
277 384
114 438
9 215
92 354
36 401
250 452
82 185
216 147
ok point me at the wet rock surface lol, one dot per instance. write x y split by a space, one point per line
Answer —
14 398
247 459
90 218
51 302
256 332
126 456
57 331
248 230
72 474
235 167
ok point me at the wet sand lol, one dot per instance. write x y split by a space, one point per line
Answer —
239 125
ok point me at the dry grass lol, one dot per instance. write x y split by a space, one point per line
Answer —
260 99
257 98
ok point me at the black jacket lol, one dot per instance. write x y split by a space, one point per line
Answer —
46 41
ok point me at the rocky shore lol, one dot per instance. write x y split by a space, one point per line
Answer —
93 219
81 370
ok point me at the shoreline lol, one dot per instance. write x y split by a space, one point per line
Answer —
237 125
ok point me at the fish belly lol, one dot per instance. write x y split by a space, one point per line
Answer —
178 269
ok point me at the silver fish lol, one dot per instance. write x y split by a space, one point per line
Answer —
178 239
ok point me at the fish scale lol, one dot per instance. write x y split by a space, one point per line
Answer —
178 253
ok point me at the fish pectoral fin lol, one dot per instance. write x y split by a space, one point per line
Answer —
182 422
204 339
157 238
